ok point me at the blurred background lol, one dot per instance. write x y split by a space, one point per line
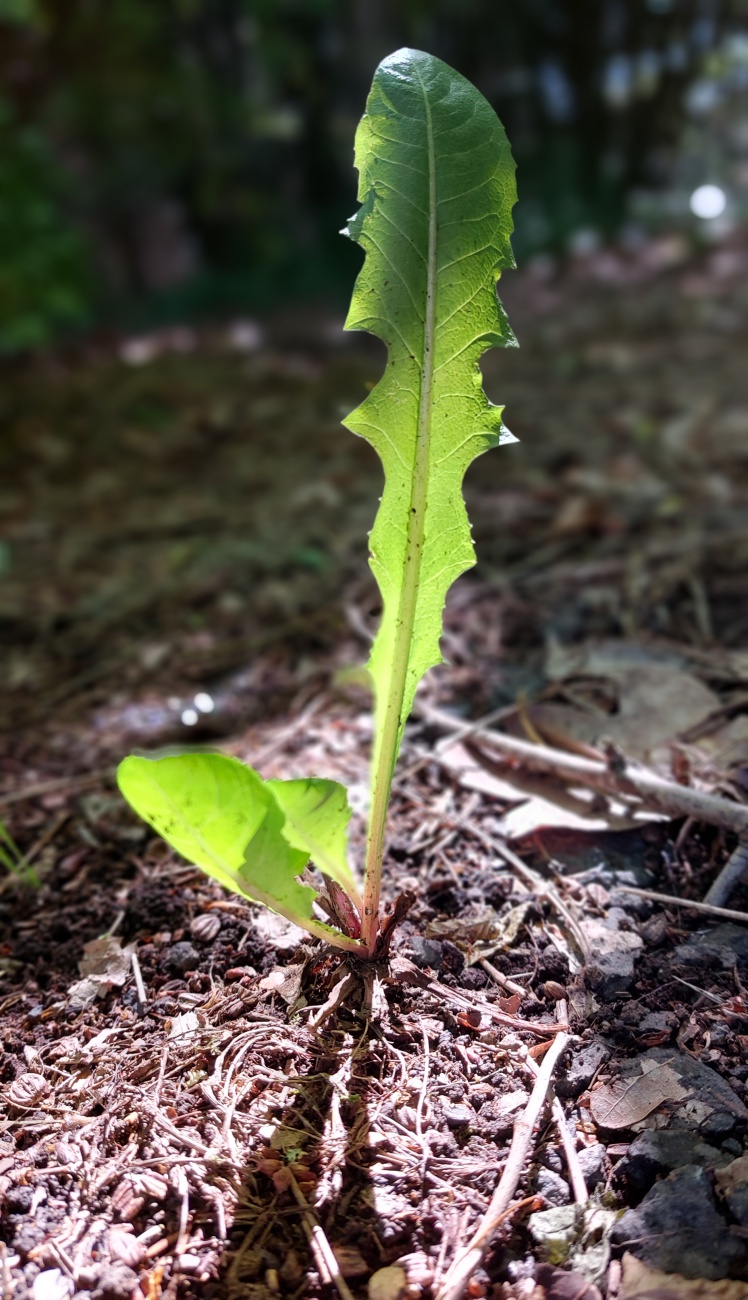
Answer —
173 178
193 157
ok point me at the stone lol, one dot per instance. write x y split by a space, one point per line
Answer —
427 953
115 1282
732 1187
721 947
592 1164
717 1126
609 969
660 1151
182 957
388 1283
610 973
582 1068
552 1187
677 1228
658 1022
457 1115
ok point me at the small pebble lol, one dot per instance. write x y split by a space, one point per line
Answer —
457 1115
552 1187
182 957
592 1164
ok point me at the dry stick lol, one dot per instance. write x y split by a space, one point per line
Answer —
55 786
734 870
633 782
511 986
461 1269
138 977
324 1256
727 912
576 1177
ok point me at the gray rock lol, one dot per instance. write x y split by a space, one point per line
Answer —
706 1087
115 1281
181 957
732 1147
660 1151
592 1164
552 1159
426 952
552 1188
658 1022
678 1228
738 1204
732 1189
438 954
717 1126
457 1115
610 973
722 947
611 873
582 1068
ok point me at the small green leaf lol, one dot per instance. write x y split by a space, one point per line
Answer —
317 816
219 814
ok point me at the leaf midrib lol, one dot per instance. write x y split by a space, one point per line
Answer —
405 618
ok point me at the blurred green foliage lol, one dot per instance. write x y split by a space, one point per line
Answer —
191 155
44 280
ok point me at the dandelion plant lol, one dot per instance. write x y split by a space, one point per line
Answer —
436 190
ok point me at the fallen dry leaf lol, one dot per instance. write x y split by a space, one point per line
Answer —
625 1101
733 1176
285 980
640 1282
388 1283
105 965
540 801
651 705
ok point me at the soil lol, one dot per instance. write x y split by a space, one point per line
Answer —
189 1112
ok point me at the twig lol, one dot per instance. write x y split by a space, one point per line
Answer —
458 1275
425 1148
504 982
339 993
55 786
139 985
46 836
576 1177
726 912
635 782
734 870
403 971
324 1256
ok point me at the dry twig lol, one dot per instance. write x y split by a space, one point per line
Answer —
458 1275
634 782
726 912
734 870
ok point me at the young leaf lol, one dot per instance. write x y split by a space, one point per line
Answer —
317 814
436 186
219 814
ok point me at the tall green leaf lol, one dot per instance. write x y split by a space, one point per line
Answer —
436 186
219 814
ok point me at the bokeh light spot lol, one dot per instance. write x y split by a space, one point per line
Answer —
708 202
